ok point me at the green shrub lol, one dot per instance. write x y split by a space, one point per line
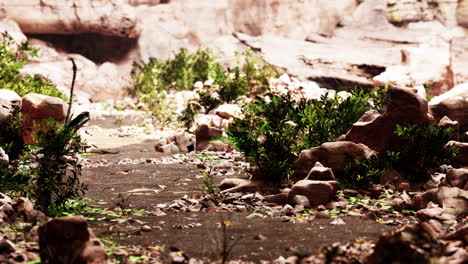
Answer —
276 128
421 152
12 59
47 172
184 69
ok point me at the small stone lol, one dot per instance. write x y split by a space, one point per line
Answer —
146 228
338 221
260 237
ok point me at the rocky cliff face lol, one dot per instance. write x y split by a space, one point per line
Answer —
355 42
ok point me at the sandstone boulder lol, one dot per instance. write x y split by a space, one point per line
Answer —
69 240
109 17
10 102
452 199
320 173
228 111
461 158
401 106
457 178
232 182
13 30
333 155
462 13
38 107
317 192
453 104
204 134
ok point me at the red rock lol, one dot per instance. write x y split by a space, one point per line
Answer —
457 178
69 240
317 192
320 173
333 155
279 199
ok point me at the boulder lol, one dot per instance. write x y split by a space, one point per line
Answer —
36 108
457 178
452 199
320 173
406 11
265 17
461 158
462 13
228 111
69 240
13 30
453 104
109 17
317 192
204 134
279 199
446 122
101 82
7 213
10 103
4 159
333 155
401 106
232 182
247 186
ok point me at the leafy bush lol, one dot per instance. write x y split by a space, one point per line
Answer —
48 171
421 152
276 128
12 59
181 72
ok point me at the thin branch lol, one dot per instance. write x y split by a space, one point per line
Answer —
75 69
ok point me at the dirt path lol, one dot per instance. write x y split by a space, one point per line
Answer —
196 233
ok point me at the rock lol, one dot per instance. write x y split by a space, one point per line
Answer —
317 192
182 140
449 123
248 186
429 213
267 17
228 111
232 182
13 30
401 106
10 103
99 83
204 134
4 159
460 234
111 17
457 178
461 158
167 148
409 242
390 176
452 199
462 13
333 155
453 104
146 228
38 107
419 67
69 240
279 199
320 173
7 213
287 210
24 208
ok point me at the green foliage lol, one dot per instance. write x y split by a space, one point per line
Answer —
276 128
361 172
421 151
12 59
57 179
211 188
10 136
151 80
47 172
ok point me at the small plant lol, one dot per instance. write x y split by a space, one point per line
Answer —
12 58
211 188
422 150
361 172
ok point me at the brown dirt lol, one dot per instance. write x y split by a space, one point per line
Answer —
203 240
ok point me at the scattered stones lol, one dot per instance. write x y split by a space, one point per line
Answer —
452 199
69 240
146 228
453 104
